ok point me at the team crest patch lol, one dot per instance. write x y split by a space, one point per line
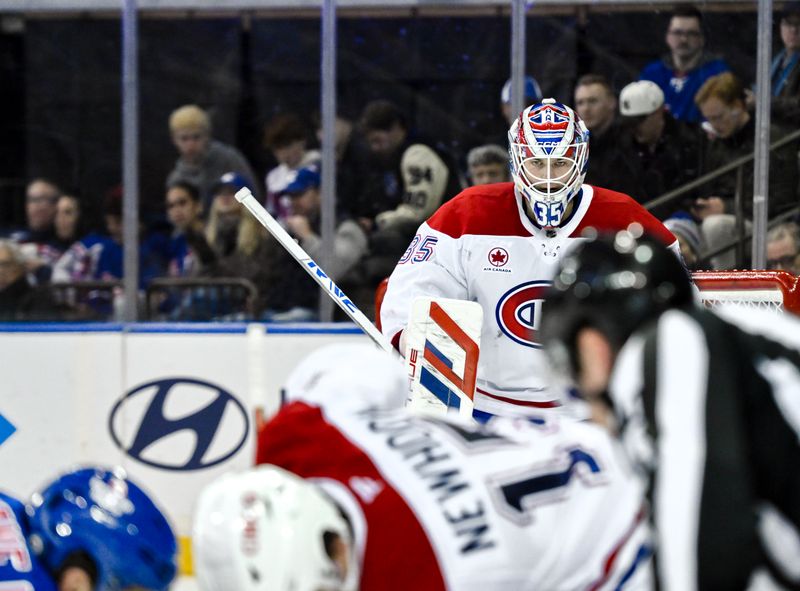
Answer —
498 260
519 311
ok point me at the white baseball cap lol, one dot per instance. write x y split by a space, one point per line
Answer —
640 98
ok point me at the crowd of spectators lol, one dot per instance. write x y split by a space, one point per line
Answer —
686 116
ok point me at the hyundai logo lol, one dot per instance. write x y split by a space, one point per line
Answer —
179 424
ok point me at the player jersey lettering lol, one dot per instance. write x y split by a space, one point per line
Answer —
13 548
507 506
420 250
439 470
548 483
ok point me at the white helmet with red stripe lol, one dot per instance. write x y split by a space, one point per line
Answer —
549 148
266 529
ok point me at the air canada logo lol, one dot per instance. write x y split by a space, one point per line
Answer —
179 424
498 257
519 311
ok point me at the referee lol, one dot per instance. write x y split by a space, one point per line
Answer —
707 410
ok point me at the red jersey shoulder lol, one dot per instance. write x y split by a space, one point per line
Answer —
611 211
481 210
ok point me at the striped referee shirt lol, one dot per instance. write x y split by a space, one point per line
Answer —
710 413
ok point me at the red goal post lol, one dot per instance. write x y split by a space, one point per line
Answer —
764 289
775 290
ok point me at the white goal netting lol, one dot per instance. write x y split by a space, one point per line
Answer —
769 290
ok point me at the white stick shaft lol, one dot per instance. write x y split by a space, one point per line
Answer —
245 197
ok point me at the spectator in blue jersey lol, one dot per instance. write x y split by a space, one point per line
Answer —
100 256
785 70
682 72
188 249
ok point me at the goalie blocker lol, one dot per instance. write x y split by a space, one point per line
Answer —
441 351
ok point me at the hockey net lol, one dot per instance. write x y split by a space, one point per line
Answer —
772 290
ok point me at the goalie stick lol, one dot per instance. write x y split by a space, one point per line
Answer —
436 341
245 197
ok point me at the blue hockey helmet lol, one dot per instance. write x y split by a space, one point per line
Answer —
101 514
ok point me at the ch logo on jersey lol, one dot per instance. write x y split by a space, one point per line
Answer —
519 310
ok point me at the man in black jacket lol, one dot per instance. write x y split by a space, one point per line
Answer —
665 151
722 102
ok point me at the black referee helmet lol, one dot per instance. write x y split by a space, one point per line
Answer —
615 284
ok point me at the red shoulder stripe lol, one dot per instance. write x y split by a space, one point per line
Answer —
480 210
611 211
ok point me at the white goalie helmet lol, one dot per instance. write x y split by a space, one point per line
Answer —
268 530
549 149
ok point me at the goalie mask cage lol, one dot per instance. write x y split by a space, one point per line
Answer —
774 290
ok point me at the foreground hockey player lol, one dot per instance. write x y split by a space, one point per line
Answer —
432 504
708 412
500 244
89 530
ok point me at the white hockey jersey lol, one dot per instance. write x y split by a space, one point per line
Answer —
441 505
481 246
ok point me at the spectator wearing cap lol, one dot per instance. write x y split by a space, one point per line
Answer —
243 248
665 151
488 164
349 241
228 226
689 238
532 94
682 71
785 72
722 102
202 160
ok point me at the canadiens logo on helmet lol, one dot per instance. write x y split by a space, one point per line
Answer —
518 312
